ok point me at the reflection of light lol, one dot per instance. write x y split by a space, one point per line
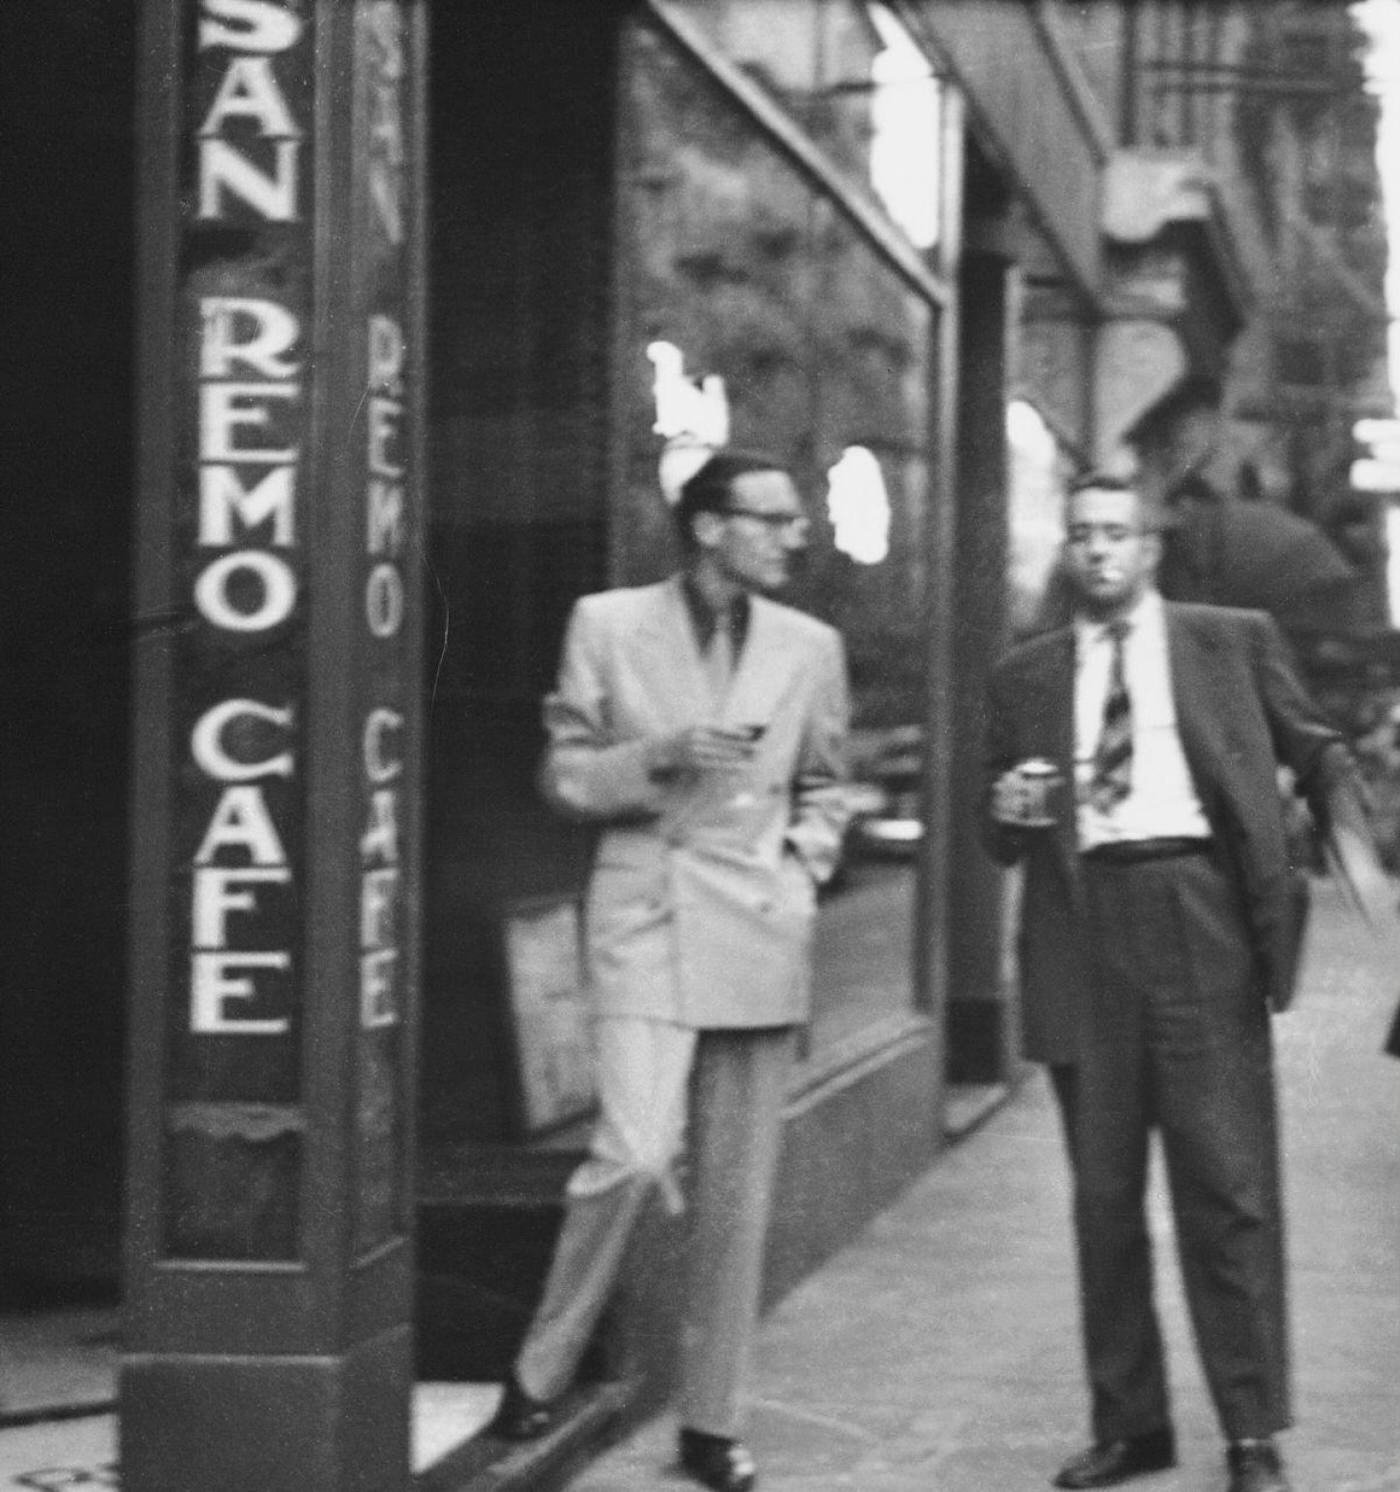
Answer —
1036 520
859 506
1376 474
904 146
683 406
693 416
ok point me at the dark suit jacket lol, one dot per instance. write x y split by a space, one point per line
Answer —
1240 712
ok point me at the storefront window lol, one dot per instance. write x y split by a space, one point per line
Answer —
850 73
739 263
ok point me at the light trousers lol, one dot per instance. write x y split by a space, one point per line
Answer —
657 1083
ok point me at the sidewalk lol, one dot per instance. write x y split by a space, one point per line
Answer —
938 1352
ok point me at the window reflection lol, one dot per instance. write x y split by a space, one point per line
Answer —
851 74
904 157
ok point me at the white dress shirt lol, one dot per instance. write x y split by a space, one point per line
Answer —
1162 802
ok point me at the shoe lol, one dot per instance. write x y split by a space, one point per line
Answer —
520 1416
1255 1467
1113 1461
717 1461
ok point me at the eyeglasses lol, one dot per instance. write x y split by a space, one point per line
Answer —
1080 534
776 522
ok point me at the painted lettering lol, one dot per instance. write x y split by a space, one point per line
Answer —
222 169
269 332
222 495
219 890
269 579
378 723
386 355
384 601
242 821
378 899
381 837
379 1004
224 407
216 981
386 143
249 91
248 25
209 751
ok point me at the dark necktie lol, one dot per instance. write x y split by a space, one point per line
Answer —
719 656
1113 757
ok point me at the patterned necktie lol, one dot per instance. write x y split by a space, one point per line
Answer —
1113 757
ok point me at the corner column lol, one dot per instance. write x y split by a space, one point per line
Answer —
981 1030
277 791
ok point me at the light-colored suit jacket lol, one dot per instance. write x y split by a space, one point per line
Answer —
1240 712
703 892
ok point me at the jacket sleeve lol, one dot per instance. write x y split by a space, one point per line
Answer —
1326 776
820 802
586 774
1005 844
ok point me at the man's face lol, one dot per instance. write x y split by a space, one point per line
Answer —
752 541
1109 555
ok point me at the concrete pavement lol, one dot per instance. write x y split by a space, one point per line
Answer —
938 1352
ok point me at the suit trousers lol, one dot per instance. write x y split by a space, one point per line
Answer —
1176 1036
656 1080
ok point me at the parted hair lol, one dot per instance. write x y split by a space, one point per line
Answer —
709 489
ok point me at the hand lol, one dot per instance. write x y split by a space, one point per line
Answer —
700 748
1019 801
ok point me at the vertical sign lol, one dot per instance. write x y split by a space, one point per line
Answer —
267 1333
386 671
234 1125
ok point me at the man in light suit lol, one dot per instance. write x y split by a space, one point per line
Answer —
704 728
1159 925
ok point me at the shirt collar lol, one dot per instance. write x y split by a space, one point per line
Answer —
1144 617
703 619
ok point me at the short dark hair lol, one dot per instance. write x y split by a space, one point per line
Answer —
1102 481
1154 520
709 489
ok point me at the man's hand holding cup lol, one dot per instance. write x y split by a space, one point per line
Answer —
1023 798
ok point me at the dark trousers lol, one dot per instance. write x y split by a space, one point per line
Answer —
1176 1037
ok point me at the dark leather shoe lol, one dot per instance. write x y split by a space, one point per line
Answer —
1113 1461
519 1416
717 1461
1255 1467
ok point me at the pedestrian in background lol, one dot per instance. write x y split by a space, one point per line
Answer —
704 728
1159 925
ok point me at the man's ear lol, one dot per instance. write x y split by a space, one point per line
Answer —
1153 542
707 528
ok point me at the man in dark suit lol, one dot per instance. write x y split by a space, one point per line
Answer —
1159 926
703 727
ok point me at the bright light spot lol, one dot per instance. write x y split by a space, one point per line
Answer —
859 506
693 415
904 121
1036 508
1375 474
685 406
